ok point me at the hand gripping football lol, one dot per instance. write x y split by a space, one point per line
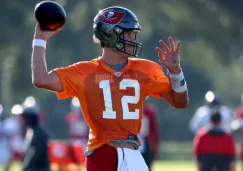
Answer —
50 15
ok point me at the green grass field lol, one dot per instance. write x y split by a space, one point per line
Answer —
178 166
173 156
158 166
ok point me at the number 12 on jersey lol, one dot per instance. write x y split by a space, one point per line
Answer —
109 113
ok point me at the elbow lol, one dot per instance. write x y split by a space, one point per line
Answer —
37 83
39 80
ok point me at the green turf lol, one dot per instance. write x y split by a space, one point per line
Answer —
158 166
173 156
174 166
178 166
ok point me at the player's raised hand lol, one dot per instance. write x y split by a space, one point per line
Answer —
40 34
169 56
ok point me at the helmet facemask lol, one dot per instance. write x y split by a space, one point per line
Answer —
122 43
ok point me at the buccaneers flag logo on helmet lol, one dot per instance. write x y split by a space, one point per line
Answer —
111 17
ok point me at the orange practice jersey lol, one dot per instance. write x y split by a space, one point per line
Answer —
111 101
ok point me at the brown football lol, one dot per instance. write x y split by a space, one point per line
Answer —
50 15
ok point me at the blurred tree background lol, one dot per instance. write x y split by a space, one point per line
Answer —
211 37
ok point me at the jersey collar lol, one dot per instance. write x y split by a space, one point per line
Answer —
111 70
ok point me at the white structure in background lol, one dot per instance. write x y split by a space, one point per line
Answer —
201 118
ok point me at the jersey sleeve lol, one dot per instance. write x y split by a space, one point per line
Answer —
158 83
71 79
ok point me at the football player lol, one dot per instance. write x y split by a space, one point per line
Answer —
213 148
149 134
36 138
201 118
112 88
78 129
14 132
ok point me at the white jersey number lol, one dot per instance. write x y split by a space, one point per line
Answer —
109 113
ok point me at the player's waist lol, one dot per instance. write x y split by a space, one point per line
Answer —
131 142
124 145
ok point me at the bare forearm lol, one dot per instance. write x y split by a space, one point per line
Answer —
40 77
178 100
178 97
38 65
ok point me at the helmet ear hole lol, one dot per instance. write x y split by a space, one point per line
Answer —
118 30
119 46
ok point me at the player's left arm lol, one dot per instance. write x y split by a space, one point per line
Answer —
178 100
169 58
